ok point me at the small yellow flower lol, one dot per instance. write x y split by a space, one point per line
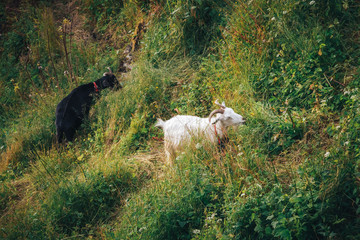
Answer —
16 87
80 157
66 21
320 52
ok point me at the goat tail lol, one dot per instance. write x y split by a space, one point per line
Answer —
159 123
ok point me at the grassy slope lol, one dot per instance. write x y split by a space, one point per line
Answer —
290 69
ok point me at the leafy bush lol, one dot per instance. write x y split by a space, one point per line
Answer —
304 68
300 212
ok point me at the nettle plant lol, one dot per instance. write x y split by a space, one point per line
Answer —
305 67
299 79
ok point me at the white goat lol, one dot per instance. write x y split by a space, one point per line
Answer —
179 130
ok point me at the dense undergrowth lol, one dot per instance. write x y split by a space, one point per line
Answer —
290 68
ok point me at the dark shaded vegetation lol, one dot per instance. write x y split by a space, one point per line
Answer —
292 172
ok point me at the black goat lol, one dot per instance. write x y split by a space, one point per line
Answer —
71 111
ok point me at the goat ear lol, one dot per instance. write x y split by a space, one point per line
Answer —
105 83
216 119
104 74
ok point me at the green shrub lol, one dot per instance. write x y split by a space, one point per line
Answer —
306 208
300 213
305 63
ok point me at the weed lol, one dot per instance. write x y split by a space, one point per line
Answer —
291 69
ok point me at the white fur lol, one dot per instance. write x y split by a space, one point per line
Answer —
179 130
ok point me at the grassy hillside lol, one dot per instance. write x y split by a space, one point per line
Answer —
290 67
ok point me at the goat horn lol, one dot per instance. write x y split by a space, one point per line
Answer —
110 70
220 105
215 112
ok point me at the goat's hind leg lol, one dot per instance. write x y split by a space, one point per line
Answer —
69 133
59 135
170 156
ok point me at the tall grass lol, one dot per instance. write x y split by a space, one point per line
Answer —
173 207
290 173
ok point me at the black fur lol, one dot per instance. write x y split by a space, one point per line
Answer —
72 110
